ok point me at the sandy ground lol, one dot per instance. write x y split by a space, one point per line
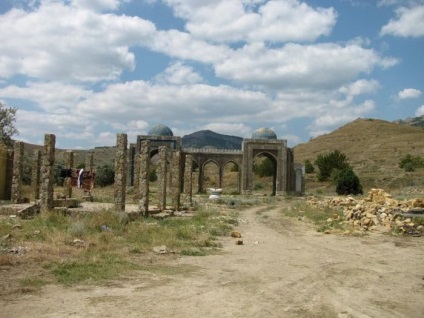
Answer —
284 269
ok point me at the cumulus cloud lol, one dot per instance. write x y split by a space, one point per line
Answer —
409 93
420 111
54 97
237 20
61 42
360 87
325 65
179 74
409 22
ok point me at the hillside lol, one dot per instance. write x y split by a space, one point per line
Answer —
208 138
374 148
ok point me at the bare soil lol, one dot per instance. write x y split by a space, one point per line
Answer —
284 269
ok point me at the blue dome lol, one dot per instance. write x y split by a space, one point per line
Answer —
264 133
161 130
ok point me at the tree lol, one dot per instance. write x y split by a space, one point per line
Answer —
265 168
348 183
7 124
327 163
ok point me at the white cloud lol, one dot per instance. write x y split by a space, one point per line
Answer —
409 93
235 129
420 111
61 42
237 20
54 97
335 116
324 65
33 125
360 87
179 74
409 22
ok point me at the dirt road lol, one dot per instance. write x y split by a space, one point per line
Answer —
284 269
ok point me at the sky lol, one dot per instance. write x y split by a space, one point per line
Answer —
86 70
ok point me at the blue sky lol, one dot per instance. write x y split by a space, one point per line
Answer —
85 70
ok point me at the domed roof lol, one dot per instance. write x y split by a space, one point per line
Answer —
161 130
264 133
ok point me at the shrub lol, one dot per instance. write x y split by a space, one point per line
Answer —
105 175
309 168
153 176
348 183
327 163
410 163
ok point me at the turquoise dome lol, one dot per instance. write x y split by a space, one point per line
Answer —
161 130
264 133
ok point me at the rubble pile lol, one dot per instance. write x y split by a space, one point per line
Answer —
379 208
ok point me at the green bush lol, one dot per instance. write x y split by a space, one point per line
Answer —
410 163
105 175
265 169
327 163
153 176
309 168
348 183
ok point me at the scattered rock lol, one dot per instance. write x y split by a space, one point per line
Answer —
239 242
235 234
162 249
78 243
377 209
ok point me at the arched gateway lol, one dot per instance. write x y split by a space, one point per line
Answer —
287 178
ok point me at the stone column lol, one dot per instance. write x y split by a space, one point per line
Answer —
188 181
143 178
120 172
18 164
176 180
35 173
69 164
137 172
47 172
161 172
89 162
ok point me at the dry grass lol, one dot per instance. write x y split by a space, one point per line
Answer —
374 148
100 245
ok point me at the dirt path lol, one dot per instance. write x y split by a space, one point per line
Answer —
284 269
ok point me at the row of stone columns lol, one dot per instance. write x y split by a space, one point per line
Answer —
43 175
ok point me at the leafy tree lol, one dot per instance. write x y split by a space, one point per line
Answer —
7 124
348 183
309 168
265 168
410 163
105 175
327 163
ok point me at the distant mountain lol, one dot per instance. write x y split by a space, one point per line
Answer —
412 121
208 138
